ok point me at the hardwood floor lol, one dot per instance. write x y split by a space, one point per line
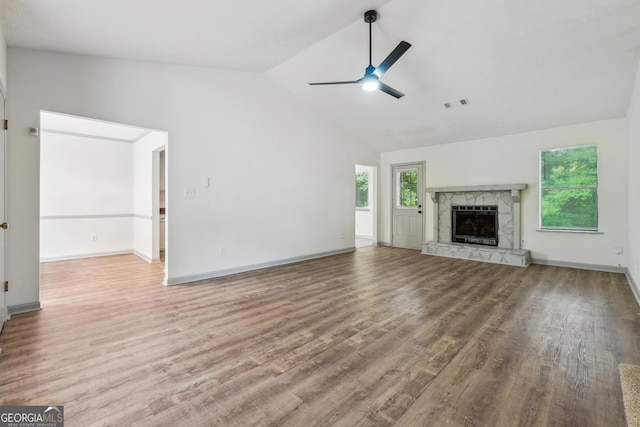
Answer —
380 336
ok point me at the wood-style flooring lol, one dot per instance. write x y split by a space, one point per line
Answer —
377 337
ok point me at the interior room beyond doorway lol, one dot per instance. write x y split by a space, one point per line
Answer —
100 189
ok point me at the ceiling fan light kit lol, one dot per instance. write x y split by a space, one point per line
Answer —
370 83
371 79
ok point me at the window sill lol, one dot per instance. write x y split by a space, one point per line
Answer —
560 230
363 209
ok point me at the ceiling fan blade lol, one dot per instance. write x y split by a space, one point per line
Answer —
391 91
335 83
402 47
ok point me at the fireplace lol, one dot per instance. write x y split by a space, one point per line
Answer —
474 224
496 206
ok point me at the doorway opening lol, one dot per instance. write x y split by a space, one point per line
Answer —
366 214
100 189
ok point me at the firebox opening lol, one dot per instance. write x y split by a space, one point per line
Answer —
475 224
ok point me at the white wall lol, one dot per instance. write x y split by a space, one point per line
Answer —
281 176
634 186
146 194
514 159
85 190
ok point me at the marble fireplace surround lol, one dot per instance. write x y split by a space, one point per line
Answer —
505 196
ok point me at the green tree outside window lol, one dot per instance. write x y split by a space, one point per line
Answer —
362 190
408 191
569 188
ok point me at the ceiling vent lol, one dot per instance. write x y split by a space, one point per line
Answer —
458 103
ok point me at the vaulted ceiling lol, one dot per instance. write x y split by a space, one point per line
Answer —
522 65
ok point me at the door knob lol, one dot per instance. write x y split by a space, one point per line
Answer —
4 225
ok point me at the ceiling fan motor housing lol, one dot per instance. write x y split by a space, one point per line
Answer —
370 16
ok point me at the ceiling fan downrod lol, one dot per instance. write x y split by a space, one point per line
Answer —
370 16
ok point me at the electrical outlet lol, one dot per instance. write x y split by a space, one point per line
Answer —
94 237
617 250
523 243
223 251
189 192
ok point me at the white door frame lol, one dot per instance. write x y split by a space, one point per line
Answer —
3 215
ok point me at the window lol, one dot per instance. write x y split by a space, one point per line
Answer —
407 193
569 188
362 190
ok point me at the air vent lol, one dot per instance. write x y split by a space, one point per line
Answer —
459 103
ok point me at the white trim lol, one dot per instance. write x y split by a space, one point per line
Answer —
634 287
147 217
84 135
579 265
220 273
97 216
146 258
473 188
565 230
23 308
86 255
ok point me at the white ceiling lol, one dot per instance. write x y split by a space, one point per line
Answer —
523 65
81 126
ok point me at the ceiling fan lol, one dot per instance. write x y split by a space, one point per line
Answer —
371 78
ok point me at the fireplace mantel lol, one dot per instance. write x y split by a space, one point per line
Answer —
496 187
505 196
514 188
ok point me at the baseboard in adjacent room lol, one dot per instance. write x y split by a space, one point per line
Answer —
23 308
91 255
146 258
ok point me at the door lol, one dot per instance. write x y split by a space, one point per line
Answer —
3 299
408 193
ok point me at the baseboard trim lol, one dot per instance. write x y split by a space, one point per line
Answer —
146 258
579 265
228 272
91 255
634 286
23 308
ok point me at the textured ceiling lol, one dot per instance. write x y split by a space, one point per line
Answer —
523 65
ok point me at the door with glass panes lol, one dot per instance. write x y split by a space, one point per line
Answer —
408 189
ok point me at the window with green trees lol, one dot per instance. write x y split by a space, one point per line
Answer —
569 188
362 190
408 188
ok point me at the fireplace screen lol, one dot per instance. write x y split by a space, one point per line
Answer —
474 224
